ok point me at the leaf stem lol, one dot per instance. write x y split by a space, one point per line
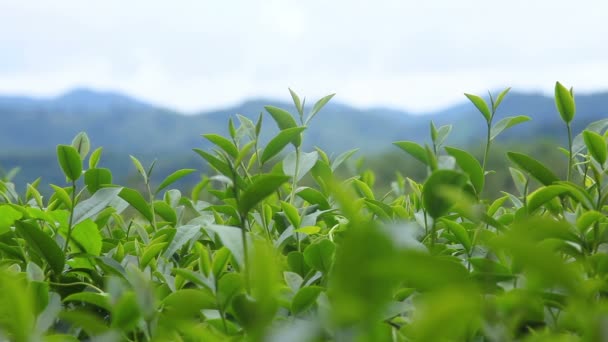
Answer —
487 149
69 236
570 156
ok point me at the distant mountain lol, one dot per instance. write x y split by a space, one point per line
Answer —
31 127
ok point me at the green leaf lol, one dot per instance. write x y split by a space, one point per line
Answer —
296 102
442 134
320 255
363 189
63 195
292 214
436 204
140 168
533 167
89 322
564 102
215 162
342 158
126 312
95 204
544 195
70 162
481 106
165 211
87 237
414 150
433 132
150 253
170 179
305 298
42 244
101 300
231 238
318 106
183 235
229 285
507 123
281 140
306 163
137 201
223 143
470 166
500 97
262 187
308 230
587 219
460 233
282 117
297 264
95 178
596 145
313 196
94 158
8 216
189 302
82 144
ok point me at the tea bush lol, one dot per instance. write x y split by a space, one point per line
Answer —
275 247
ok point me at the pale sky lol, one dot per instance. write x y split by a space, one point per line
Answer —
195 55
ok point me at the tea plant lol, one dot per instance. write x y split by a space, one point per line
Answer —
274 247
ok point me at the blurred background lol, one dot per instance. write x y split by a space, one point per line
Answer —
148 77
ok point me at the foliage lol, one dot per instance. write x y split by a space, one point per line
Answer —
276 245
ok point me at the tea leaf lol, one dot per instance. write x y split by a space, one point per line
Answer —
262 187
596 144
42 244
533 167
481 106
280 141
70 162
470 166
564 102
507 123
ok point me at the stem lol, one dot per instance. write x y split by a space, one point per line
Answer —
67 239
487 150
433 235
151 196
293 193
570 156
246 254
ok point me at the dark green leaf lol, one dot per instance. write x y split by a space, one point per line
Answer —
436 204
223 143
101 300
281 140
42 244
305 298
262 187
320 255
533 167
137 201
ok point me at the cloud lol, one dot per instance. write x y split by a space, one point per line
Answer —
206 54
